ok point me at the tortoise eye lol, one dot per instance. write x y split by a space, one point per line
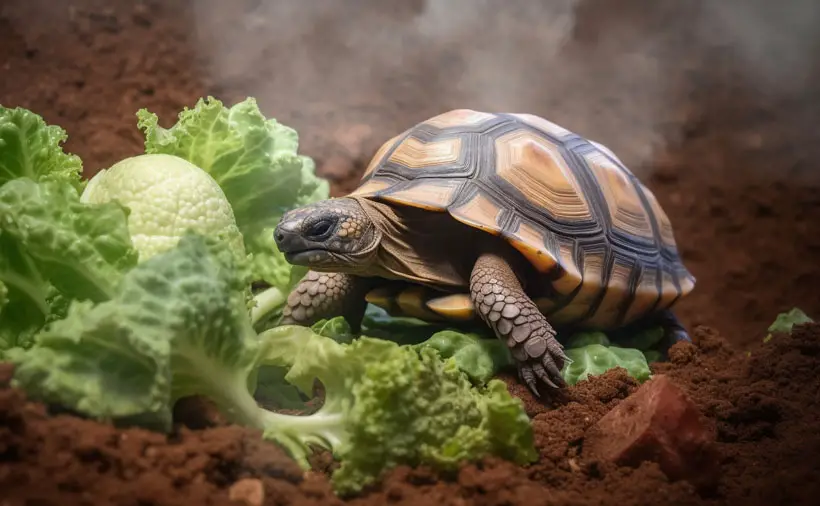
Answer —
320 229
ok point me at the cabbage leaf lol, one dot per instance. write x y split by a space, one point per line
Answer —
255 161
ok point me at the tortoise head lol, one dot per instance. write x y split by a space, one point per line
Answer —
333 235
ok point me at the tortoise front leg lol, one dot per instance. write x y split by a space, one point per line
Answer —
501 302
321 295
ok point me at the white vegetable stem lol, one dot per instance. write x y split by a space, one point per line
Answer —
266 302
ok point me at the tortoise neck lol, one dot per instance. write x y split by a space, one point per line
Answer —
421 246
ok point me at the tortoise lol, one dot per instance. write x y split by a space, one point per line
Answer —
506 216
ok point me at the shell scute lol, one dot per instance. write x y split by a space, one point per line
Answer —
596 235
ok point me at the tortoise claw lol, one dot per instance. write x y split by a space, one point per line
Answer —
546 371
525 373
553 370
543 375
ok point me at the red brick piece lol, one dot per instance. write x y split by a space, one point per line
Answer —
657 423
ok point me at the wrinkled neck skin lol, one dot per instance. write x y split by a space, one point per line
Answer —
426 247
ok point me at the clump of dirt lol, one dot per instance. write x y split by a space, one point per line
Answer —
763 406
65 460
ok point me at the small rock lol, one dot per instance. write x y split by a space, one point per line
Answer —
657 423
249 492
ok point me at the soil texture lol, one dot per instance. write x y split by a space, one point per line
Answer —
763 407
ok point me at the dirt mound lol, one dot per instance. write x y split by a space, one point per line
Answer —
763 406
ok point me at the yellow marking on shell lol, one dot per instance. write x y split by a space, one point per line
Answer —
411 302
536 168
457 306
370 187
382 297
606 315
646 293
590 288
415 154
377 157
571 278
530 242
544 125
668 291
459 117
664 225
625 207
479 212
433 195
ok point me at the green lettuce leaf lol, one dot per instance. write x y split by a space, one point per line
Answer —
105 361
176 326
30 148
785 321
586 338
273 392
4 297
479 357
335 328
596 359
387 405
411 408
256 163
54 248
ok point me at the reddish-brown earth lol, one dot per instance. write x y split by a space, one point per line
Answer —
716 108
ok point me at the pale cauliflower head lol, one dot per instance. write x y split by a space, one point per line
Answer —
167 196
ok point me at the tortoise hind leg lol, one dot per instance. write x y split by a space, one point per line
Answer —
673 329
500 301
321 295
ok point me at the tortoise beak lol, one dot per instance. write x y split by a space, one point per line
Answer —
287 237
297 249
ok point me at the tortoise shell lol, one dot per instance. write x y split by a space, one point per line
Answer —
599 240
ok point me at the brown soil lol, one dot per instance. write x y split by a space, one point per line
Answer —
715 107
763 407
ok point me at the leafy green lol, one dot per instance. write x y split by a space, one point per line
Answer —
256 163
387 405
106 361
54 248
131 355
477 356
31 149
335 328
596 359
582 339
178 326
274 392
166 197
785 321
4 297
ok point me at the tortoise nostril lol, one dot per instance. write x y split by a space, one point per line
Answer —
279 237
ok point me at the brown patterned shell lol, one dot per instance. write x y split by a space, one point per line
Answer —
599 238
